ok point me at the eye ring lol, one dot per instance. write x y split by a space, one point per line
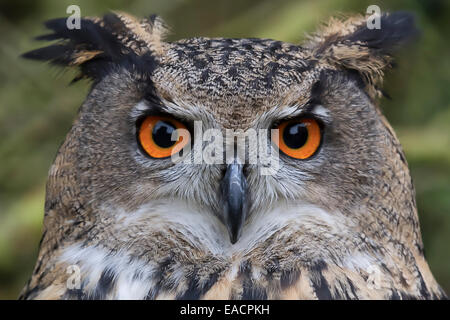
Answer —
298 138
155 136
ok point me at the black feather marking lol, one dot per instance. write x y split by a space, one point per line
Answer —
352 288
161 274
92 36
42 238
385 94
30 293
54 53
105 285
251 291
254 293
407 296
48 37
316 92
152 18
211 281
288 278
76 294
321 288
319 283
38 266
395 30
319 87
111 54
355 76
423 287
341 294
193 292
196 289
394 295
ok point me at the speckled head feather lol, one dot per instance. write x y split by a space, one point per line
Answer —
340 224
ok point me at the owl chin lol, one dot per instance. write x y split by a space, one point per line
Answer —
292 250
194 239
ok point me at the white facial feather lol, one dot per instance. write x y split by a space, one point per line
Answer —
202 229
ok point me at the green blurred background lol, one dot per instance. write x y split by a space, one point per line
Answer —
37 105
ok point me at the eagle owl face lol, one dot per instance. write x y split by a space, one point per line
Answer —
348 155
154 193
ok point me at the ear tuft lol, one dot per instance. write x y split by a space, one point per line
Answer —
148 33
102 43
350 44
396 29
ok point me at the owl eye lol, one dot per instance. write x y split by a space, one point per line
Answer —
298 138
155 136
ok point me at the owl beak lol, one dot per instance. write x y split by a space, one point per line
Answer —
234 196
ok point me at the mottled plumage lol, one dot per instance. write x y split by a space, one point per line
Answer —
340 225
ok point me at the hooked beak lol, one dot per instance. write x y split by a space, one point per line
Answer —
234 200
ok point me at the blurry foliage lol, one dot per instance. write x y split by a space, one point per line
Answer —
37 105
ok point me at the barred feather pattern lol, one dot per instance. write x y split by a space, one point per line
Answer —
340 225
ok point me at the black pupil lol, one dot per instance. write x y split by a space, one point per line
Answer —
162 134
295 135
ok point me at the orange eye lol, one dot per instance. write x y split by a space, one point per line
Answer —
298 138
158 138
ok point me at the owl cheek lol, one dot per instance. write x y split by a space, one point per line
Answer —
234 200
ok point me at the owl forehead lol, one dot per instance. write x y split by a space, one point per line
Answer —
232 75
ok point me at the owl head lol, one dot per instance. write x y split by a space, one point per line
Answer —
153 161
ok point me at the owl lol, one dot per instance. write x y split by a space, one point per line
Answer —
159 190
